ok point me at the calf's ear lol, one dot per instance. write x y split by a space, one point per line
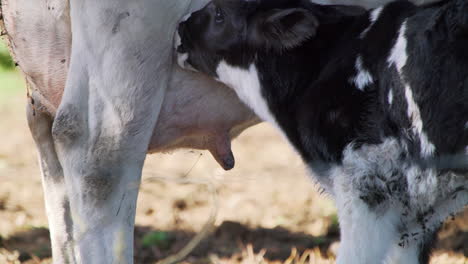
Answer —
283 29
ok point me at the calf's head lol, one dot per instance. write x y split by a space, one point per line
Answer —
235 31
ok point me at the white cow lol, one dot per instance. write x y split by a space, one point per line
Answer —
123 97
104 91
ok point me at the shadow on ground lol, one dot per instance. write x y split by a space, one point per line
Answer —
230 238
227 241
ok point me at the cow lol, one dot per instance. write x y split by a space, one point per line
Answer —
104 92
375 102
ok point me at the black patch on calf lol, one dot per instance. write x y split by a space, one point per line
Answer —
283 30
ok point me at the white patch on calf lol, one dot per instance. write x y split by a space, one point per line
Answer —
414 115
186 17
363 77
177 40
374 15
390 97
399 57
246 84
182 57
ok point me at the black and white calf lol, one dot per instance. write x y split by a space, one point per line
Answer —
376 103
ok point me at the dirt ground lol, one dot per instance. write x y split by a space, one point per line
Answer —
269 211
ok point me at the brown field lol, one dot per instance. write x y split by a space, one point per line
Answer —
269 211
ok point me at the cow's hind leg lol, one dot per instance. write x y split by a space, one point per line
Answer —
102 173
111 103
102 170
56 200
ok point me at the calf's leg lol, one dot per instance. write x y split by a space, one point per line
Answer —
366 238
367 235
417 252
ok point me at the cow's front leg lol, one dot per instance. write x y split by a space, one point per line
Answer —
56 200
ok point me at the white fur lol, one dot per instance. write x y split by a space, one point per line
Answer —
112 112
56 203
246 84
177 43
363 77
373 18
182 57
399 57
403 255
43 51
427 148
390 97
186 17
366 237
373 232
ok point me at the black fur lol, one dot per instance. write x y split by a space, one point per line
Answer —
306 80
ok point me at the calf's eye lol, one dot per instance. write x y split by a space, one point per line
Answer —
219 16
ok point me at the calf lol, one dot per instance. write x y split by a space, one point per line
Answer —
376 104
